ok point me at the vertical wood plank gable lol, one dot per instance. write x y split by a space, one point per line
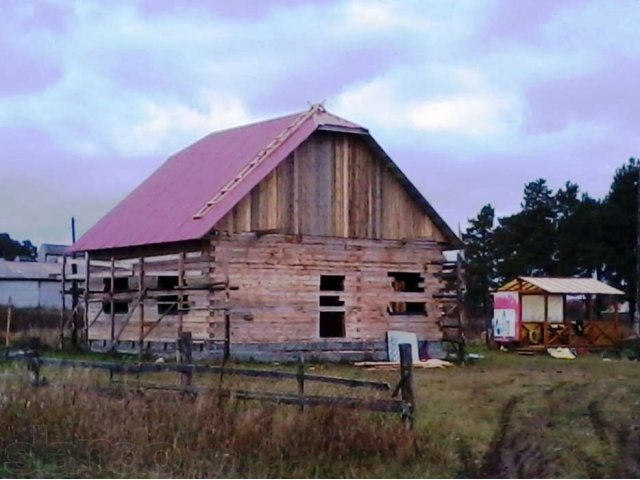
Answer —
332 185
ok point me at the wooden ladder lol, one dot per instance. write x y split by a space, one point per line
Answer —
452 303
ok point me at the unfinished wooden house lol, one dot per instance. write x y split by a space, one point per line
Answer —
293 234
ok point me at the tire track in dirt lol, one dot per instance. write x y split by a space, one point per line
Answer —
517 449
623 439
511 454
521 447
492 460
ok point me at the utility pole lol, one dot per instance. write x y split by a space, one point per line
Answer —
636 313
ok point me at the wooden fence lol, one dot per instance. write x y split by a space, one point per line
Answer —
405 406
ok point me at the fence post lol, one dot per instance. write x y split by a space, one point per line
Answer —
34 369
301 380
406 382
8 334
33 366
227 336
184 355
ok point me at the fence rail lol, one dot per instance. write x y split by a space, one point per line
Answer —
137 368
405 406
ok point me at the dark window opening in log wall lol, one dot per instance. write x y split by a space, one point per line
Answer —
332 324
407 281
332 283
331 301
407 308
168 304
120 284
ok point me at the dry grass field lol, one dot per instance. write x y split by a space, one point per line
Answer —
507 416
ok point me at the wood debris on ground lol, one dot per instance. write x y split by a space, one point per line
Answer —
431 363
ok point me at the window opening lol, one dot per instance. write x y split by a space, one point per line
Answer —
332 324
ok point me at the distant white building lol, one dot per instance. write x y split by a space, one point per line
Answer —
30 284
49 252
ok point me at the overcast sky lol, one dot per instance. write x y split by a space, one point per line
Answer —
471 98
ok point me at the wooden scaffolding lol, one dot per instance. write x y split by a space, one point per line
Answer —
452 303
135 298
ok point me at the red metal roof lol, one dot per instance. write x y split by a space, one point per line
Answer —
162 208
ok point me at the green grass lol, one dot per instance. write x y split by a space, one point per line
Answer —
506 416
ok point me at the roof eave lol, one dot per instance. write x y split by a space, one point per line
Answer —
339 129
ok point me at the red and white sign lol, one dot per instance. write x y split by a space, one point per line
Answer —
506 317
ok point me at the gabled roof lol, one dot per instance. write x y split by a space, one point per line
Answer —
555 285
185 198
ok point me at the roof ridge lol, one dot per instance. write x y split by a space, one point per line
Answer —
231 129
342 119
256 123
259 158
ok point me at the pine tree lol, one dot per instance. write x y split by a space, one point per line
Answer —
480 265
619 222
525 242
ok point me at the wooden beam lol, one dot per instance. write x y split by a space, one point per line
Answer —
111 292
267 231
126 320
616 318
406 382
373 405
95 319
74 302
87 279
180 296
7 338
146 334
545 331
141 289
137 368
227 299
64 302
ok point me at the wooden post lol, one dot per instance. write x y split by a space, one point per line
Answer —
87 283
8 333
141 316
112 288
616 320
64 302
227 336
34 369
545 330
301 379
520 320
460 291
74 297
180 296
406 380
227 318
184 355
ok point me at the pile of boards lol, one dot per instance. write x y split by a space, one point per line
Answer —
431 363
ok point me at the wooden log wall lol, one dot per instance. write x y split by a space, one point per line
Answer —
332 185
278 282
274 294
